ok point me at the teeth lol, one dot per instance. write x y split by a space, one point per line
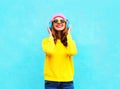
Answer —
60 25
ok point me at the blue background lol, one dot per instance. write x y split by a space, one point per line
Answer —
95 28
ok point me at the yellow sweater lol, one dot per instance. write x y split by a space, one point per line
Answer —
58 61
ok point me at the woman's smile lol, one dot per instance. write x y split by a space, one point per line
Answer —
59 25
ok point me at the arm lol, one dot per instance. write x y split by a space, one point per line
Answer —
48 45
71 48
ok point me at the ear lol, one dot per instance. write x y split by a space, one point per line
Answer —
50 25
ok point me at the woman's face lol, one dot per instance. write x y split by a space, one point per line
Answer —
59 24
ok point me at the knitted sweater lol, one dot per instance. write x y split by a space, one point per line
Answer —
58 61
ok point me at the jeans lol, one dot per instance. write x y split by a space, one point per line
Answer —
58 85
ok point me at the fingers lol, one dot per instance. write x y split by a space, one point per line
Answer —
49 31
69 30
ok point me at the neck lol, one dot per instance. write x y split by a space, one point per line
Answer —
59 34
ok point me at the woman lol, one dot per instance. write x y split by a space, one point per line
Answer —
59 48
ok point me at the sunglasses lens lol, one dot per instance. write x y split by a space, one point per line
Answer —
62 21
55 21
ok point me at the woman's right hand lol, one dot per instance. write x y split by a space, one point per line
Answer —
49 31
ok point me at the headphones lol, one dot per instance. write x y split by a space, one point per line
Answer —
67 24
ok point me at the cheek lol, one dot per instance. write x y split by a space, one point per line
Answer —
63 26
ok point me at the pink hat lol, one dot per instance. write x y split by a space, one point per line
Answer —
58 15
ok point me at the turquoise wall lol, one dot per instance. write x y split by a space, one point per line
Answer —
95 28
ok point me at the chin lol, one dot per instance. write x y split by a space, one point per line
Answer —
59 29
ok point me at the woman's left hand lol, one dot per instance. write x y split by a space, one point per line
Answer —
69 30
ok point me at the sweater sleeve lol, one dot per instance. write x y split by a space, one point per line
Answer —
48 45
71 48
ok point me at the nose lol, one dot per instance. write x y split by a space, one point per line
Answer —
59 21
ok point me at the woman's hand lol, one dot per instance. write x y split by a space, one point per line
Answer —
69 30
49 31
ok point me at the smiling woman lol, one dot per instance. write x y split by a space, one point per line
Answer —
59 49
